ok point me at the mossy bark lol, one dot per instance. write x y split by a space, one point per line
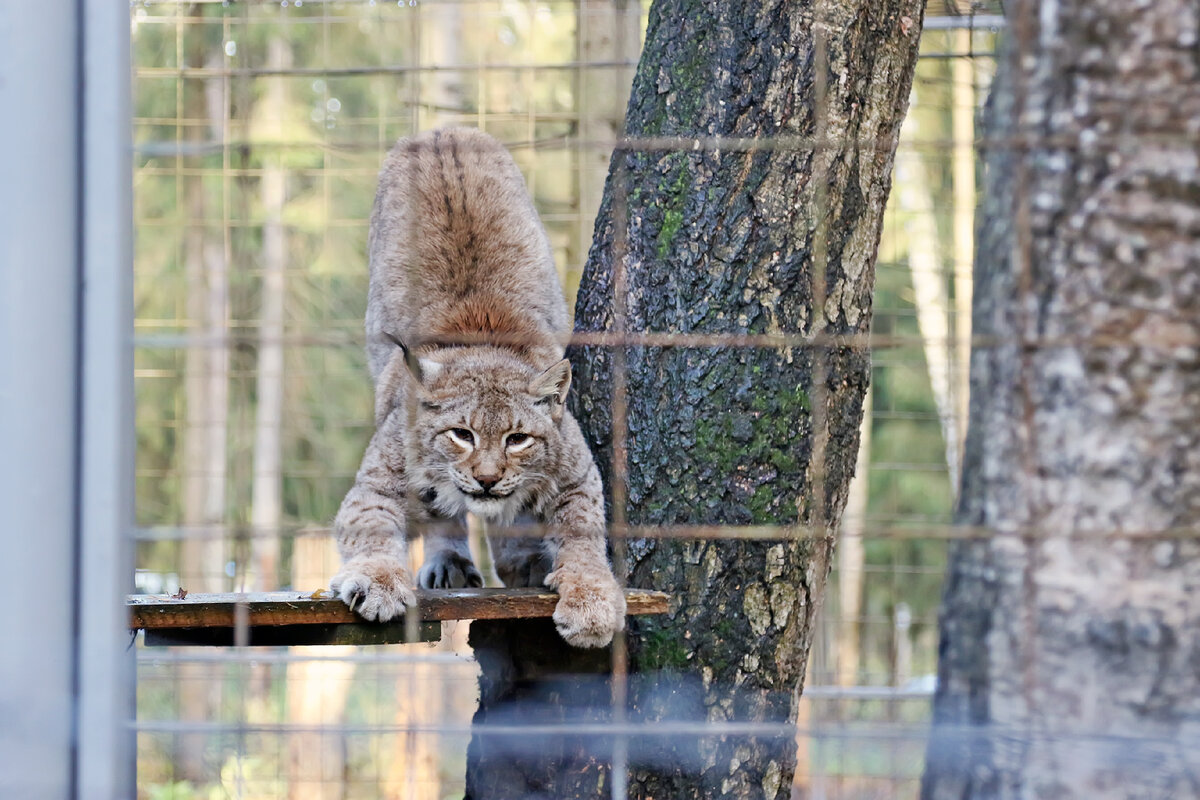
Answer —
775 238
1070 638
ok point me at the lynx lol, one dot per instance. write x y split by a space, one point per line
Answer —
465 323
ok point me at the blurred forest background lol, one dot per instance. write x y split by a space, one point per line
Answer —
259 130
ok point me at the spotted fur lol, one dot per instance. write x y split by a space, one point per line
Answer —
465 322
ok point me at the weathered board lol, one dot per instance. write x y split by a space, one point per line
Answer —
358 633
290 618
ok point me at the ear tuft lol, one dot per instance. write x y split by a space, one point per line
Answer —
553 384
422 369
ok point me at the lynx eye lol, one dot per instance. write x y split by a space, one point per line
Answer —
518 441
461 437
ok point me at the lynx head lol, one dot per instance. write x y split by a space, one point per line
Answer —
486 435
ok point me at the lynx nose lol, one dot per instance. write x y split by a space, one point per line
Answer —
487 481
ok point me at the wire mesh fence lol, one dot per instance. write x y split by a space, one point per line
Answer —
259 129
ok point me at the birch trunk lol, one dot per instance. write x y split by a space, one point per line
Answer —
1070 637
851 559
779 238
962 126
931 297
266 513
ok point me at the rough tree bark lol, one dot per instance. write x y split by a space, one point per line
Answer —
1070 636
777 238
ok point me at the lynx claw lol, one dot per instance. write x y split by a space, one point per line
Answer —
377 588
590 610
447 569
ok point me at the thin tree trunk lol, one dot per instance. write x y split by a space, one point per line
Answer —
931 297
607 31
851 557
412 769
206 374
266 512
442 91
203 462
721 239
316 690
962 125
1070 637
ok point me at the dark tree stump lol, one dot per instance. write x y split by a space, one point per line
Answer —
533 689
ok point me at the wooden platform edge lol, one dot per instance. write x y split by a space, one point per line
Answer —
258 609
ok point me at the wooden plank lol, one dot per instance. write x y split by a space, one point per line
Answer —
258 609
356 633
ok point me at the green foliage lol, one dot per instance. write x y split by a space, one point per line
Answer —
176 790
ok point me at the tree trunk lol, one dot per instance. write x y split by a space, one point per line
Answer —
206 370
606 31
733 238
442 91
1070 637
962 127
316 690
204 462
930 296
852 557
266 502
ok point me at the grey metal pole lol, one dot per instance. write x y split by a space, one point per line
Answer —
39 281
65 398
106 701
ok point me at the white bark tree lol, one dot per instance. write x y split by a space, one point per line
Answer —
266 504
1071 634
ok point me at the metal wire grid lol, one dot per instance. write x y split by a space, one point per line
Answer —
350 78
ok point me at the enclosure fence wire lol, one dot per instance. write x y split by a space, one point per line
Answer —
258 134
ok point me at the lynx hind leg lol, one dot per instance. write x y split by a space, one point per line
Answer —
521 561
448 563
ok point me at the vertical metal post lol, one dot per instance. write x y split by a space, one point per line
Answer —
39 284
106 696
65 398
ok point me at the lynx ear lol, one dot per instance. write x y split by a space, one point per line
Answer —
552 385
422 369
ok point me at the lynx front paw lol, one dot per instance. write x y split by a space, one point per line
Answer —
447 569
377 587
591 607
